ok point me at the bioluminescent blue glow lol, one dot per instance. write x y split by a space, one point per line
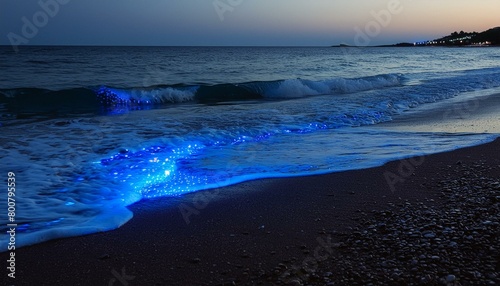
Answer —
81 170
119 101
231 155
154 171
116 101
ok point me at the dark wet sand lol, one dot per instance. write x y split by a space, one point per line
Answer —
249 233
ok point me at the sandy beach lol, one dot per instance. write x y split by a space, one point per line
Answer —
313 230
473 112
250 143
418 221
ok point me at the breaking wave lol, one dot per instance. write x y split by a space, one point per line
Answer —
104 99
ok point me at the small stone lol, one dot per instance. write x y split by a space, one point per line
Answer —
294 282
429 235
104 256
195 260
450 278
491 276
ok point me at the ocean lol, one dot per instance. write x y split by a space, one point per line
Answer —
88 131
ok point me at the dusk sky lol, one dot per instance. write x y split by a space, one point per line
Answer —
239 22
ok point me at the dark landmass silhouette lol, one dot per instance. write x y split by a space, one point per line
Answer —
490 37
487 38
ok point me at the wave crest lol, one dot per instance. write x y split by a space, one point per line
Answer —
106 99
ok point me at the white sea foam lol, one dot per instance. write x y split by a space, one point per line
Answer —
295 88
77 175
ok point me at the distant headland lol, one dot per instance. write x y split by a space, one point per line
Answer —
487 38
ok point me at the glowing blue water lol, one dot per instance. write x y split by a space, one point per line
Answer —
77 173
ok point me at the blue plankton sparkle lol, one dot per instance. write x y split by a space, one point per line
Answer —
115 101
153 171
174 169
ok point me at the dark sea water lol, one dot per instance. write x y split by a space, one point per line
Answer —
91 130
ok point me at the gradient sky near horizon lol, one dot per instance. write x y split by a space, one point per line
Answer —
249 22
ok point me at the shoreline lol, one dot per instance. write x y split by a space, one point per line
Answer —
256 231
472 112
